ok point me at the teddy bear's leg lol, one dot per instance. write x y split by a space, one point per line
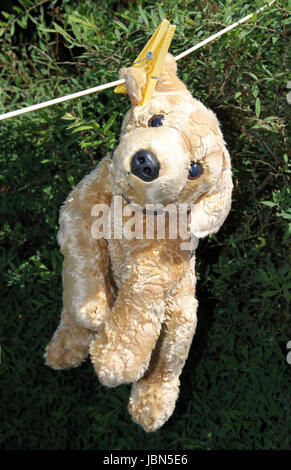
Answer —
122 351
69 345
154 396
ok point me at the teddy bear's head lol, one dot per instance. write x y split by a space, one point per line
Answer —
172 151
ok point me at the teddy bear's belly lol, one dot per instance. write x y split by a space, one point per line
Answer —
129 257
125 257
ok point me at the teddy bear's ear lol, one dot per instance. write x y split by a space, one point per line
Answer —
135 79
168 80
208 215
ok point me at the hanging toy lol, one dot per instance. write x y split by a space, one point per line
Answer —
129 295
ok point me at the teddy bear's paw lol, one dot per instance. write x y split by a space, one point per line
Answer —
115 366
151 404
67 349
91 315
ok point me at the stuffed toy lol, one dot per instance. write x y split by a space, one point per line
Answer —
129 301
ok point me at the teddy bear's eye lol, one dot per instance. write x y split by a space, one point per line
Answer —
195 171
156 120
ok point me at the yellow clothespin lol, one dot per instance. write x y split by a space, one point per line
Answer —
152 58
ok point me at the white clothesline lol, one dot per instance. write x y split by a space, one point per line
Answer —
78 94
221 32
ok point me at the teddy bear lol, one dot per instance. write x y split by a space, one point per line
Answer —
129 301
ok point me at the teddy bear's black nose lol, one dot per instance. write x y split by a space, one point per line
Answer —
145 165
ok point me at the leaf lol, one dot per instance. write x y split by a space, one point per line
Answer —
270 293
12 29
70 178
143 15
254 17
271 118
255 90
268 203
162 14
263 275
60 30
258 107
6 14
68 117
284 215
121 25
81 128
253 75
80 109
110 122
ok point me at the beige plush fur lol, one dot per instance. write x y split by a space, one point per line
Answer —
130 302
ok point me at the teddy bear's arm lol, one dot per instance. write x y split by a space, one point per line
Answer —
122 350
87 292
153 397
69 345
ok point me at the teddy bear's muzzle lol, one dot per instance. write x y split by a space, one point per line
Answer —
145 165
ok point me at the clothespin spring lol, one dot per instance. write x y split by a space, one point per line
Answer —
150 55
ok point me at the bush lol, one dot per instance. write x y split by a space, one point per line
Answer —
235 391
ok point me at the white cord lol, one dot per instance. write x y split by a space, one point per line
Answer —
45 104
60 99
220 33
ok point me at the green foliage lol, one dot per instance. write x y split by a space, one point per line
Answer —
235 391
